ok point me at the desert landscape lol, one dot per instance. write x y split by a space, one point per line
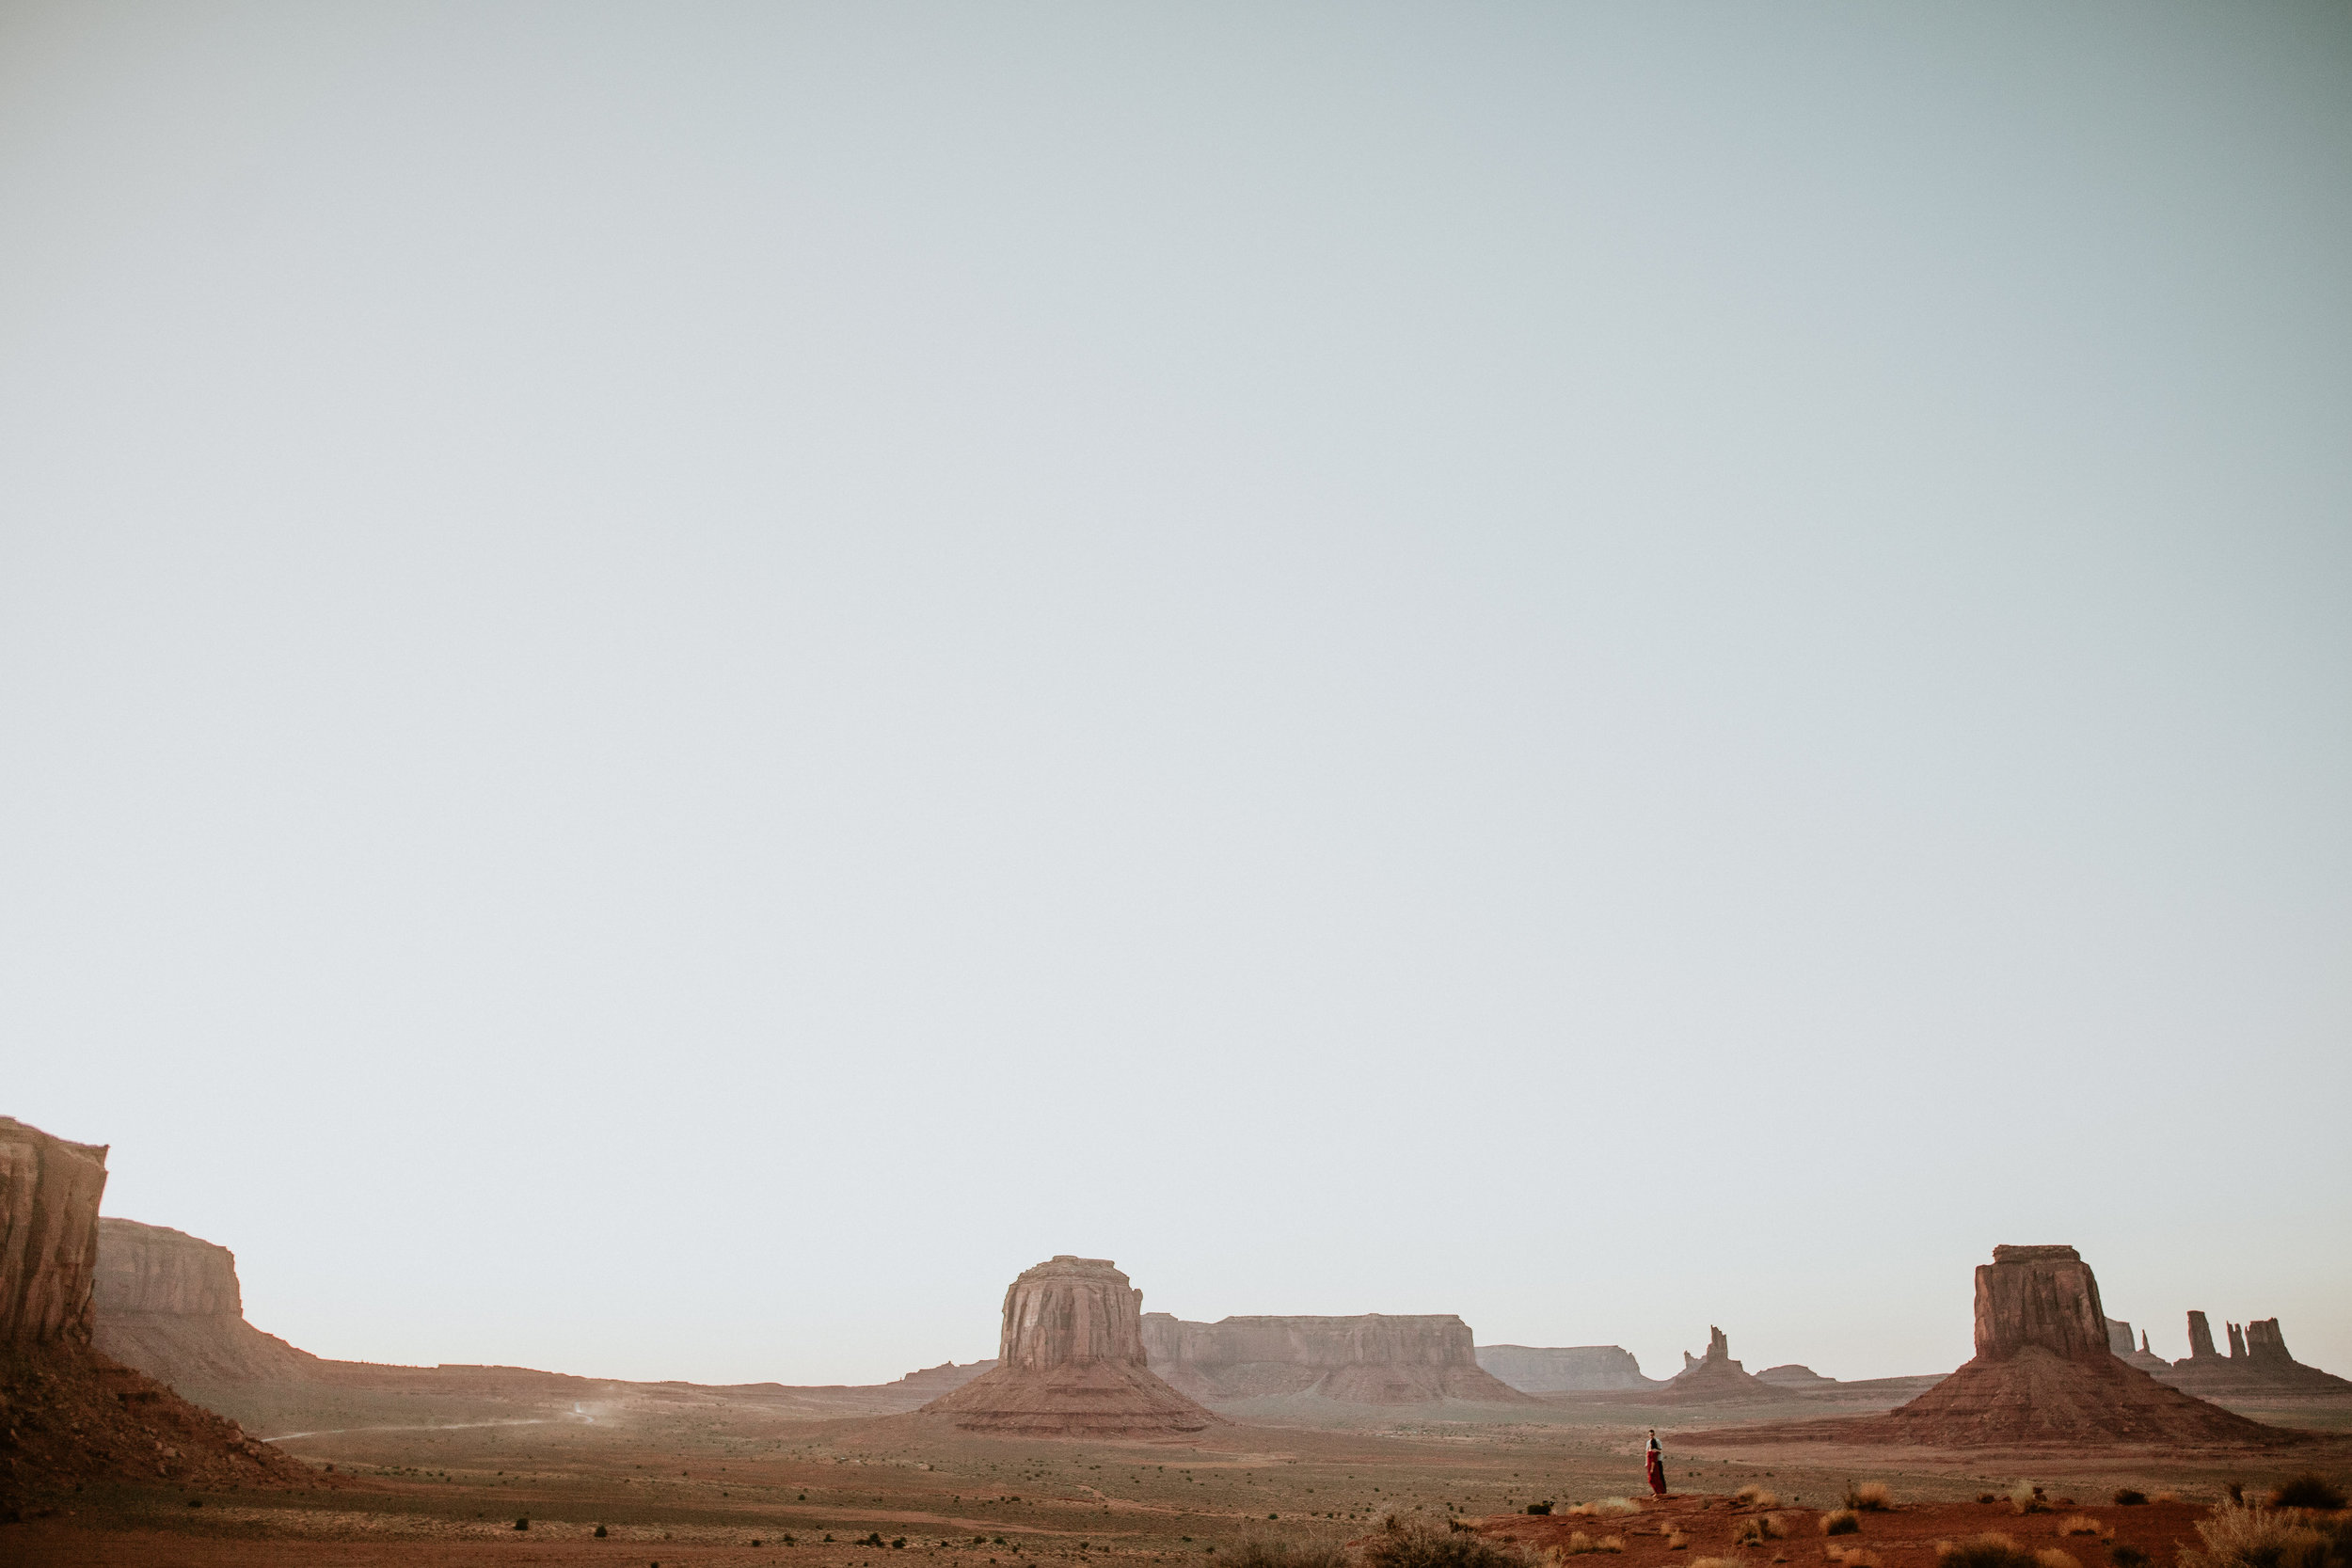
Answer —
148 1422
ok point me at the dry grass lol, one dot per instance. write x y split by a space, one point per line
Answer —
1869 1496
2129 1496
2268 1538
1756 1497
1755 1532
1612 1505
1677 1540
1289 1554
2026 1498
2080 1523
2309 1490
1401 1545
1841 1521
2050 1557
1990 1550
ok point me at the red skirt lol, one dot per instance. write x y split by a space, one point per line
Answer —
1657 1472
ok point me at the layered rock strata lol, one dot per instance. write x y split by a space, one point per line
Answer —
170 1304
69 1414
1070 1362
1564 1368
1372 1358
2042 1376
2257 1368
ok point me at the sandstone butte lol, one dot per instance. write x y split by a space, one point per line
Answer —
169 1305
1714 1377
1373 1358
2042 1377
2258 1365
1070 1362
1564 1368
70 1415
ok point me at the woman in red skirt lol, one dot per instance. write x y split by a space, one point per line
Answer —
1655 1460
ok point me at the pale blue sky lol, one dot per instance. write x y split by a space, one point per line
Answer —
679 683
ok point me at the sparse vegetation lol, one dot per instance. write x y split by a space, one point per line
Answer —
1400 1544
2026 1498
2128 1496
1288 1554
1841 1521
1854 1556
2080 1523
1990 1550
1677 1540
1870 1496
1539 1508
1753 1496
2127 1557
2050 1557
1755 1532
2270 1538
1579 1543
2309 1490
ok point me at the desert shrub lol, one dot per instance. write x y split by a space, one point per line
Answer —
1870 1496
1612 1505
600 1532
1990 1550
1841 1521
2129 1496
2079 1524
1400 1544
1988 1497
1539 1508
2267 1538
2050 1557
2309 1490
2026 1498
2127 1557
1753 1496
1612 1543
1577 1545
522 1524
1757 1530
1677 1540
1288 1554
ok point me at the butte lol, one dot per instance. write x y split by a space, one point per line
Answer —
1070 1363
2042 1376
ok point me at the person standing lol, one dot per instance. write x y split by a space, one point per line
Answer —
1654 1465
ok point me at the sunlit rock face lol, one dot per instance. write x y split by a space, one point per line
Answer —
170 1304
1070 1361
49 1193
2044 1296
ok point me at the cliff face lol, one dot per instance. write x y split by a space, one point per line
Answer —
1563 1368
1714 1377
2257 1368
169 1305
1069 1361
49 1193
1373 1358
2044 1296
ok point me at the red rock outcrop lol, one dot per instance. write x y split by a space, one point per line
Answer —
1564 1368
2258 1367
1373 1358
49 1193
1713 1377
1070 1362
2042 1376
169 1305
67 1413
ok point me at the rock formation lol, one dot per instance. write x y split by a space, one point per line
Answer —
1373 1358
49 1191
2154 1365
1713 1377
1566 1369
169 1305
69 1414
2043 1375
2258 1367
1070 1361
1794 1375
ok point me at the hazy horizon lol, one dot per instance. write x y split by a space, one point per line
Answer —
683 684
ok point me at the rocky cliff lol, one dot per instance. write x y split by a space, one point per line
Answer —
1069 1361
1715 1376
49 1193
1563 1368
2043 1375
1373 1358
169 1305
2257 1368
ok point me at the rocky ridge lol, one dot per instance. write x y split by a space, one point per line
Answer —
1372 1358
1564 1368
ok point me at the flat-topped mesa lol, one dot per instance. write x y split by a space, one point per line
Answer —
49 1193
2044 1296
1369 1358
170 1304
1563 1368
1069 1361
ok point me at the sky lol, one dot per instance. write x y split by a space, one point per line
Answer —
680 683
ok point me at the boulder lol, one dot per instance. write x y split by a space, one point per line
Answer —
1564 1368
1370 1358
170 1304
1069 1362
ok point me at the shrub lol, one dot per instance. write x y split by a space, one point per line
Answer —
600 1532
2309 1490
1677 1540
2128 1496
522 1524
2079 1524
2127 1557
1872 1496
2266 1538
1841 1521
1989 1550
1753 1496
1539 1508
1399 1544
1755 1532
2026 1498
1612 1505
1988 1498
